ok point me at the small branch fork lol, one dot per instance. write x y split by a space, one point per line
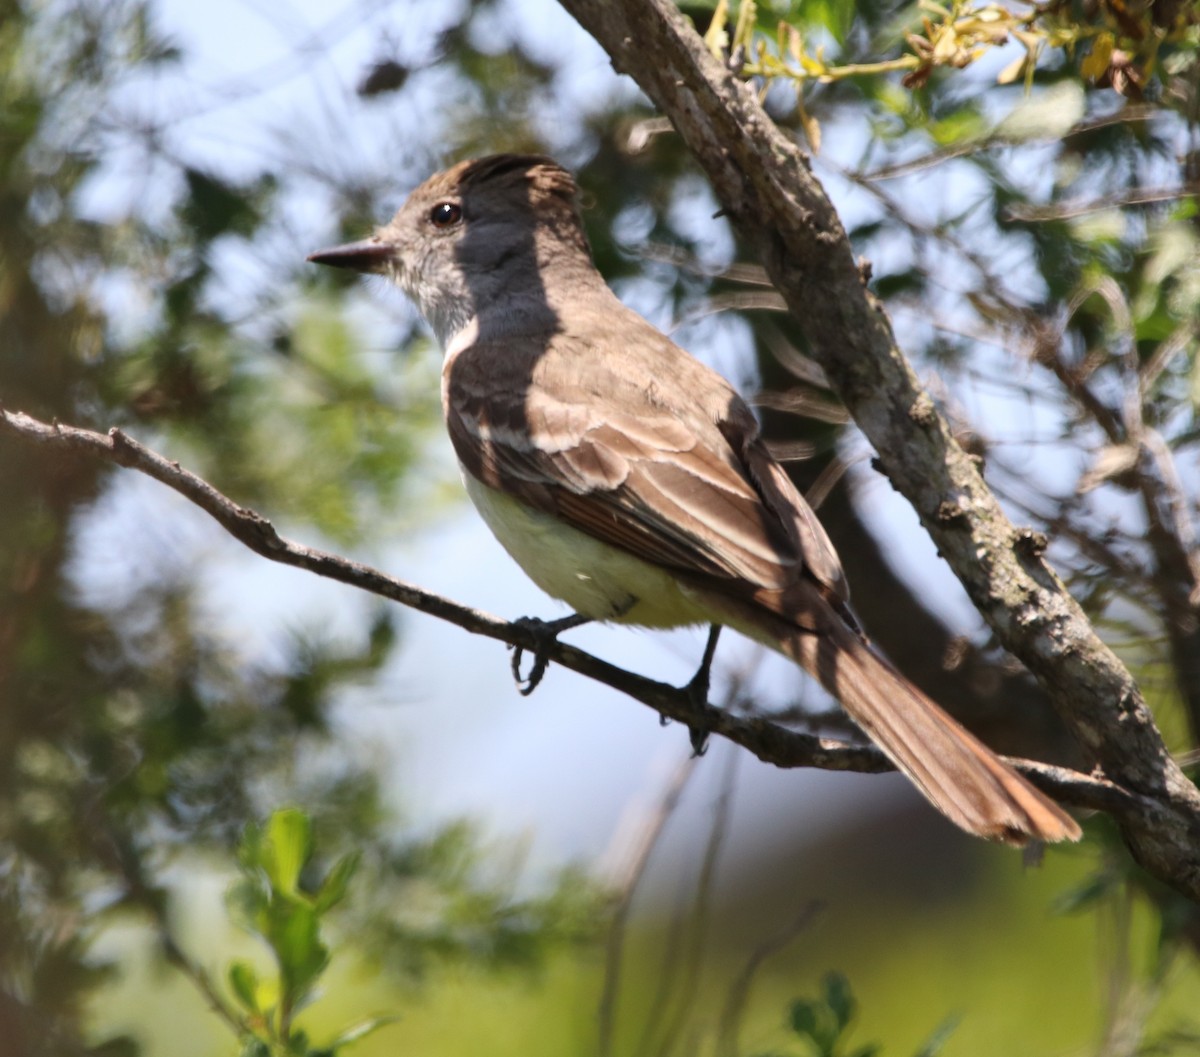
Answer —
769 741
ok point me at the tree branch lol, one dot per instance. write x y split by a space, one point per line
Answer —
766 186
767 740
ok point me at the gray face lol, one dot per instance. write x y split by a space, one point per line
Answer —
468 240
417 250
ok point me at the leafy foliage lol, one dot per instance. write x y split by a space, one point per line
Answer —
1114 44
823 1024
274 901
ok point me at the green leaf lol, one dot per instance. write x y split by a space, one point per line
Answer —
1049 113
962 125
298 947
823 1022
803 1018
333 888
243 980
118 1046
287 849
839 998
893 284
216 207
837 16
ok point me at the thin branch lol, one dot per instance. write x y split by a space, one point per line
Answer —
739 991
768 741
1175 500
606 1010
897 210
1082 207
139 891
200 979
733 301
997 138
684 989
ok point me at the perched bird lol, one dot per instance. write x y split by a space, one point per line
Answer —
631 481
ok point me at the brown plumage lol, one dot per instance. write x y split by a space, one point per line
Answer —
631 481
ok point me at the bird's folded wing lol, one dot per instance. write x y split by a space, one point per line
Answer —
673 492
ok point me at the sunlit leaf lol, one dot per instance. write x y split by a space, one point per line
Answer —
287 848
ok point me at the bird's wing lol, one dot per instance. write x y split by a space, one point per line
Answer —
643 466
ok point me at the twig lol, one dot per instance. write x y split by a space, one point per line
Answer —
1175 499
1128 115
767 740
200 979
697 932
739 990
139 891
1082 207
615 947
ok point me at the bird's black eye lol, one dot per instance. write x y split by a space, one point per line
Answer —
445 214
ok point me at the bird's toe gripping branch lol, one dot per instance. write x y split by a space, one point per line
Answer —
697 691
545 633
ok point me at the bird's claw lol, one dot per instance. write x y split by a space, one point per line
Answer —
697 693
546 633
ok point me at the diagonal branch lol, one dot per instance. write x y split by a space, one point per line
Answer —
765 183
767 740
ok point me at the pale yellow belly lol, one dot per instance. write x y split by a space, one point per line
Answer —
595 579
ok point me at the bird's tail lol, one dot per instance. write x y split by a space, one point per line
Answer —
957 773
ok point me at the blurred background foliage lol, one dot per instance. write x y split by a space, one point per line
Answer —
1024 181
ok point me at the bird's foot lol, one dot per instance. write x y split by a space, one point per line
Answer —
546 633
697 692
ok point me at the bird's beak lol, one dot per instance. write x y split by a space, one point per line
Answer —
369 255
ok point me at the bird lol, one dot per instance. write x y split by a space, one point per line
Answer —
631 481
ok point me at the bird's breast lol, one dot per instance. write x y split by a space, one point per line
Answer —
595 579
